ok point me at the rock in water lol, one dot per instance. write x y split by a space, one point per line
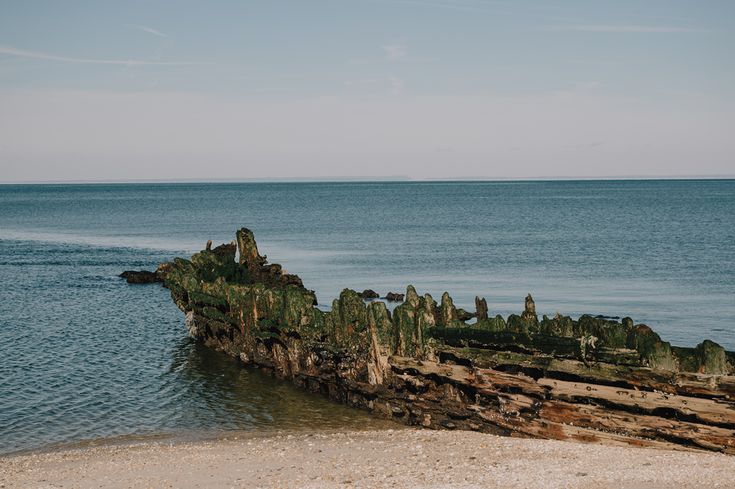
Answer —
394 297
590 379
140 277
369 294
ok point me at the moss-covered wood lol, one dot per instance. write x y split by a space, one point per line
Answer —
422 363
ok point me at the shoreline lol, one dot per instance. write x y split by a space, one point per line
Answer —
194 437
374 458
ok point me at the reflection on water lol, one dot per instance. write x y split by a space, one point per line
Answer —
221 394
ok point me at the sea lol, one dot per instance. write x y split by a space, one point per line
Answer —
86 358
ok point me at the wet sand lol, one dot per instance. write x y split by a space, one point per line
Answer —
401 458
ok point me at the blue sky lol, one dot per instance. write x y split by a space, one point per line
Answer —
343 88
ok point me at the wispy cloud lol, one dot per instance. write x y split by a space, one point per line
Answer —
632 28
23 53
395 51
149 30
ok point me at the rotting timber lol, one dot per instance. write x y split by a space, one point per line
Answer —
590 379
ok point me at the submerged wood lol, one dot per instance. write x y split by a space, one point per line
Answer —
589 379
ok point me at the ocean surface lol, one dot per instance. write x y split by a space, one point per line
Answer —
85 356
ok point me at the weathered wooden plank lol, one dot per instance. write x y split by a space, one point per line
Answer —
638 425
542 428
659 403
682 383
487 379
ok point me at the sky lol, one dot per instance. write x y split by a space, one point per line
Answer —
321 89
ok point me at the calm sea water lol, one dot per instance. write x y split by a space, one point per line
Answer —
83 355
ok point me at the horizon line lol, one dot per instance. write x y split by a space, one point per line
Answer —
369 179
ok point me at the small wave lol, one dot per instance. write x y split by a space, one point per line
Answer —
131 242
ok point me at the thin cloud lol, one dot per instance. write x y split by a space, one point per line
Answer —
633 28
23 53
393 52
149 30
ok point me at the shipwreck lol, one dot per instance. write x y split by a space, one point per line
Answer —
591 379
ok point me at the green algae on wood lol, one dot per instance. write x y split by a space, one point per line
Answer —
423 364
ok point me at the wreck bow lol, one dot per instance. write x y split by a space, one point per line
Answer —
589 379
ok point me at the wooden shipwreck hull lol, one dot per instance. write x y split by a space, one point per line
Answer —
589 379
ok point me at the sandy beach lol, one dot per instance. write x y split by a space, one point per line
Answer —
402 458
